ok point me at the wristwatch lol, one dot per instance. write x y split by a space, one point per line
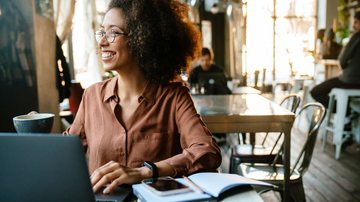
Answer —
152 167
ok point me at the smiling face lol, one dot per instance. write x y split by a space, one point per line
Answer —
115 55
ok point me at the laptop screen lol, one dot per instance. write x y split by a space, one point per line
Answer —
214 83
211 78
43 168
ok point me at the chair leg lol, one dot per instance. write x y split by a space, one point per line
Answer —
338 138
297 192
234 163
241 138
328 120
243 135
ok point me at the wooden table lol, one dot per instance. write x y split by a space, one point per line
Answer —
245 90
249 113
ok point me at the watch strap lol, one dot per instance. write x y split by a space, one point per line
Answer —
152 167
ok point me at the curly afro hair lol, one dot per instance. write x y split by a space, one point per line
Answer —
160 36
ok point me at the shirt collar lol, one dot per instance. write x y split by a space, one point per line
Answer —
111 89
148 94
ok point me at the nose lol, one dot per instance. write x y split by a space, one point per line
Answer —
103 41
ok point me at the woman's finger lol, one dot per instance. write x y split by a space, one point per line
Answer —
115 183
106 179
127 176
104 174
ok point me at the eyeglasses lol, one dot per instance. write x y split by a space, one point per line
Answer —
110 37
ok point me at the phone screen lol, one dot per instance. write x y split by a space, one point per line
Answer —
165 186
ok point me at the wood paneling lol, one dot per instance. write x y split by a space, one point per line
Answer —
44 37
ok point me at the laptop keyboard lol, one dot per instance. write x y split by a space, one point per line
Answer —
119 194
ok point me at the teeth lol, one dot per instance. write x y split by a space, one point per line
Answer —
106 54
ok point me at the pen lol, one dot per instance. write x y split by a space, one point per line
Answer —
195 186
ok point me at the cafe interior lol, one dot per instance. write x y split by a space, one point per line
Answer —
273 53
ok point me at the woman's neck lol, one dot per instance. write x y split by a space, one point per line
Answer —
130 85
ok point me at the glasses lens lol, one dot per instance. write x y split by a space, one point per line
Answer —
111 37
99 35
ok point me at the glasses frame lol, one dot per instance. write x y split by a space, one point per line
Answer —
100 34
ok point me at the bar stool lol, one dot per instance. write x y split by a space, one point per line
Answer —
336 126
355 112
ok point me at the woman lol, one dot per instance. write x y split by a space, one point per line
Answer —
140 116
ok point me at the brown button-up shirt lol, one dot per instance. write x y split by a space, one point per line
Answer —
165 126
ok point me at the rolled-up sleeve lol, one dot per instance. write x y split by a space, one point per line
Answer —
200 151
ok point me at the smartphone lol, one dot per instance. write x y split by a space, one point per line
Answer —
164 186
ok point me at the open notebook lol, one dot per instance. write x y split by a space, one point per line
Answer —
213 185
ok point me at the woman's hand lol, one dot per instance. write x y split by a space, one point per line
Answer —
113 174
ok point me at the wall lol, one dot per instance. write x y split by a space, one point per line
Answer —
218 34
17 79
28 83
44 30
327 12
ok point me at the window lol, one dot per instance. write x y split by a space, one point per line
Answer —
280 38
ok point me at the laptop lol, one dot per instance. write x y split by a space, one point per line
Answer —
47 167
215 83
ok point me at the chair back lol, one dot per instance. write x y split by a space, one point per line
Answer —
316 113
291 102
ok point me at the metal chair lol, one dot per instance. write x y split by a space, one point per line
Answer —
284 86
274 173
260 153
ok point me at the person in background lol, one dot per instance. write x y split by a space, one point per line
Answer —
201 78
319 43
217 85
63 78
331 49
349 60
140 124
